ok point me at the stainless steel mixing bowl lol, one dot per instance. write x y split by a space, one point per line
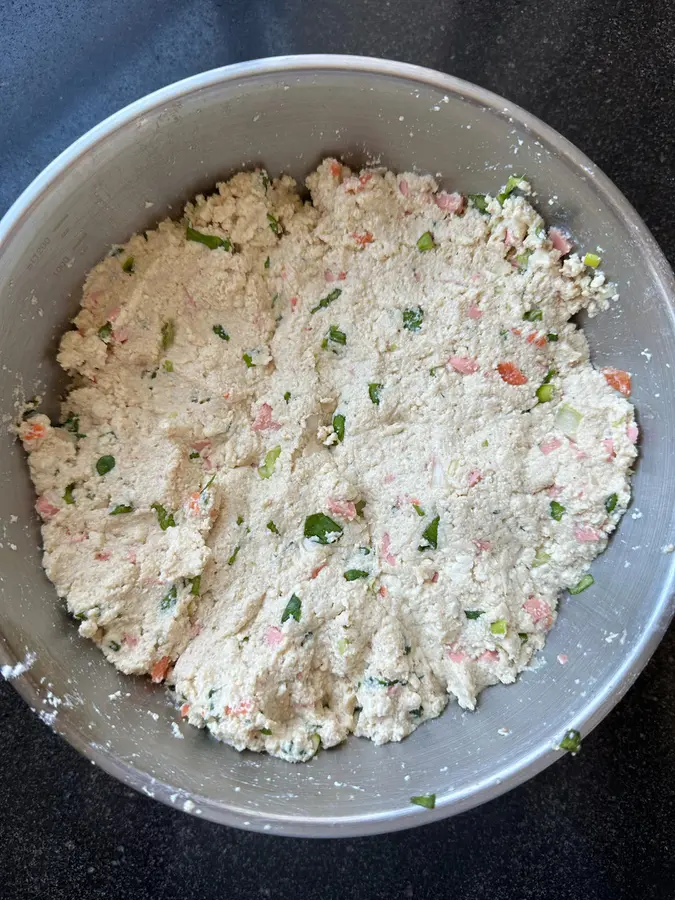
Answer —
287 114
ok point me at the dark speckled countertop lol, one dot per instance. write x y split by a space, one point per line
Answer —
601 825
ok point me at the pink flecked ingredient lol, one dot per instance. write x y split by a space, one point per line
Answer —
559 241
482 545
103 555
403 187
331 276
632 432
76 538
550 445
273 636
489 656
121 335
434 578
383 591
46 509
92 300
129 639
344 508
563 659
114 313
454 654
463 364
608 444
538 610
474 477
385 546
201 445
474 312
586 535
452 203
389 477
509 239
294 302
554 490
318 570
131 556
263 421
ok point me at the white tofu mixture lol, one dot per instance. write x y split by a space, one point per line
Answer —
325 465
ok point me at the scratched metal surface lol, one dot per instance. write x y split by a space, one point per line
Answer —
164 151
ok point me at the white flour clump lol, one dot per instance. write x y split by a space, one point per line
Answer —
324 465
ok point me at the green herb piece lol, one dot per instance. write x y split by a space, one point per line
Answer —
418 509
72 424
503 333
355 574
168 334
610 503
416 713
128 265
335 336
498 627
479 201
266 264
523 258
426 242
430 535
105 332
194 455
533 315
557 510
474 613
212 241
121 509
412 318
326 301
360 506
208 484
272 527
342 646
233 558
374 392
540 558
265 731
114 646
428 801
165 519
68 494
105 464
265 178
321 529
220 332
592 260
551 337
274 224
485 443
170 599
167 365
240 520
512 183
293 609
581 585
271 457
196 586
339 426
248 360
545 393
287 396
571 741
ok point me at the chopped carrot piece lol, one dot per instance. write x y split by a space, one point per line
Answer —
335 169
619 380
363 239
185 709
511 374
160 668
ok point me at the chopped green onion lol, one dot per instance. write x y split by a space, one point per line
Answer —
498 627
412 318
194 455
354 574
430 535
326 301
540 558
571 741
533 315
428 801
128 265
104 332
271 457
265 731
168 334
221 333
557 510
196 585
523 635
121 509
232 559
212 241
272 527
416 713
426 242
72 424
592 260
551 337
240 520
287 396
581 585
266 264
567 420
545 393
265 178
512 183
274 224
418 509
165 519
610 503
105 464
550 375
321 529
342 646
485 443
374 392
474 613
170 599
339 426
293 609
68 494
167 365
248 359
359 506
479 201
114 645
523 258
336 336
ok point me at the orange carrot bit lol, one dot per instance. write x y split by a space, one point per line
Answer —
185 709
511 374
193 502
160 668
619 380
335 169
35 432
363 239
